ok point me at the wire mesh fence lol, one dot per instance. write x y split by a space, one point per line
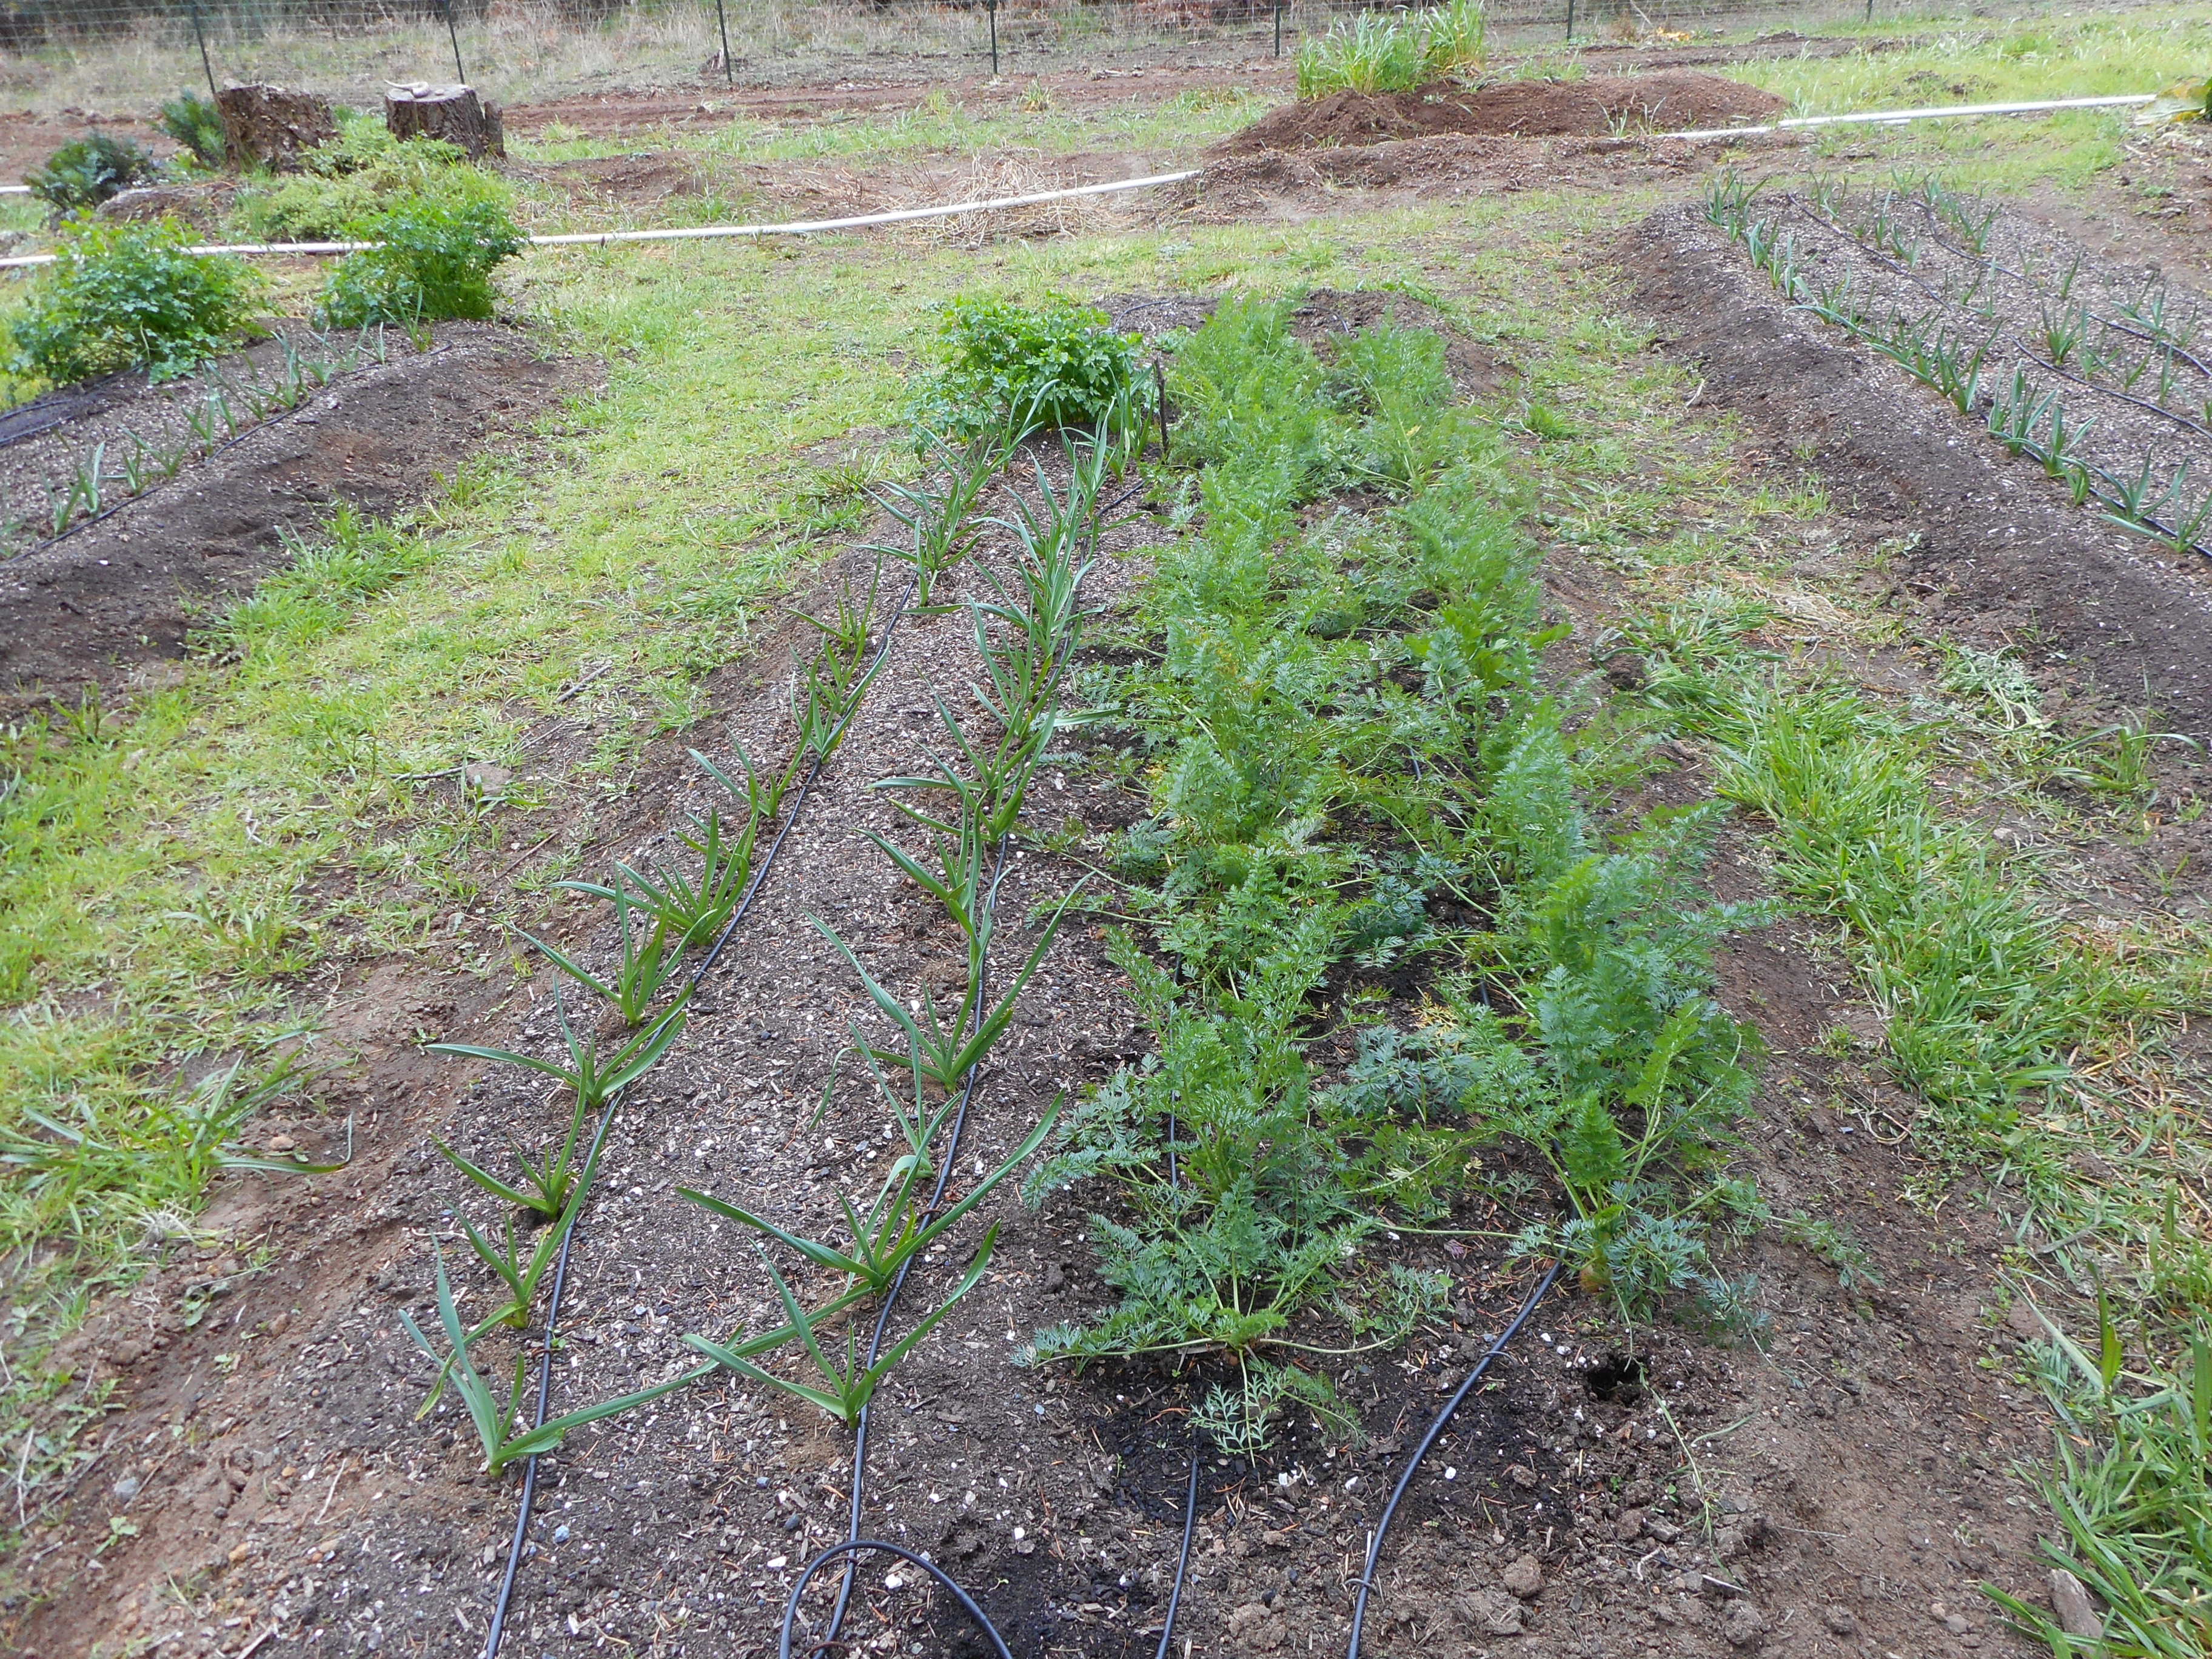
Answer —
105 52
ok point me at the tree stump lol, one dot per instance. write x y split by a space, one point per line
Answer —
270 127
416 109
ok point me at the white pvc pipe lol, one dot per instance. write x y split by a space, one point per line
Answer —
705 233
1884 116
901 216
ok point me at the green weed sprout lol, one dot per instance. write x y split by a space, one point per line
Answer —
170 1150
853 1384
893 1231
594 1078
495 1419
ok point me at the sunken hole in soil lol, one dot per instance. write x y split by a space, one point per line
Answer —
1619 1378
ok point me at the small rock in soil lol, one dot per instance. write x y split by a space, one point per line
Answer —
1839 1621
1525 1577
1741 1627
2077 1613
1489 1611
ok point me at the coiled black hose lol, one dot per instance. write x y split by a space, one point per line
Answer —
1428 1440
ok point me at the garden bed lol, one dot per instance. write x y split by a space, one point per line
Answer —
1997 547
305 1500
115 595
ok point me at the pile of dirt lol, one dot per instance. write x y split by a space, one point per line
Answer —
1673 101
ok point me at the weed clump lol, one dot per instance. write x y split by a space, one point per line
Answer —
1370 54
347 182
434 260
1002 364
130 296
85 171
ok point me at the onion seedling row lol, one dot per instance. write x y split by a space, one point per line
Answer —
1948 346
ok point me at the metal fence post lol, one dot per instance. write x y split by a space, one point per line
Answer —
1570 19
991 7
200 35
729 69
454 34
1278 27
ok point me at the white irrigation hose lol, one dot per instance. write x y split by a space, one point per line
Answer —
901 216
1884 117
708 232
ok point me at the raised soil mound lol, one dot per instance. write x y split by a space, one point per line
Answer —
1676 100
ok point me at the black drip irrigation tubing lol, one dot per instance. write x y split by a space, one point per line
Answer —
516 1545
854 1545
1436 1429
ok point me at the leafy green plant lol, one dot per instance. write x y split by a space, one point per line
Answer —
852 1385
344 184
895 1230
130 296
433 259
85 171
594 1078
1014 369
496 1419
195 123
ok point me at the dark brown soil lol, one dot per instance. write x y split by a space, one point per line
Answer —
102 606
1674 99
1995 549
